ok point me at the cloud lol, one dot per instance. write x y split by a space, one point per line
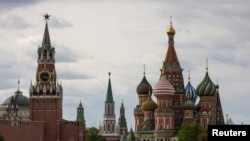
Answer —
13 22
59 23
66 54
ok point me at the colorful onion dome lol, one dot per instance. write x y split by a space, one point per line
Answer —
206 87
144 87
190 90
163 86
149 104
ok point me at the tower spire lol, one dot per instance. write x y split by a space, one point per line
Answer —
171 59
46 38
109 96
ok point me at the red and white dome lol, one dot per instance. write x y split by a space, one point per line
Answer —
163 87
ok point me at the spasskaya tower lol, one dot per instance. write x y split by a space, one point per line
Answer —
46 94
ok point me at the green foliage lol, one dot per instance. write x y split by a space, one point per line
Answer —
3 116
93 135
1 137
189 132
203 136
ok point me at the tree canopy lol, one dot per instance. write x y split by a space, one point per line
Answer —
190 132
94 135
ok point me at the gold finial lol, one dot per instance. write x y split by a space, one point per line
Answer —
206 65
171 30
188 76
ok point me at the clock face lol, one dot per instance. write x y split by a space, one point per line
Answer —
44 76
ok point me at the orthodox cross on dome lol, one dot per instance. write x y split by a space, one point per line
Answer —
189 76
18 82
144 69
206 65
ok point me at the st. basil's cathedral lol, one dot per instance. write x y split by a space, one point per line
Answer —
39 117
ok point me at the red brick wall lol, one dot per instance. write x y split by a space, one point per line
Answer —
73 131
22 130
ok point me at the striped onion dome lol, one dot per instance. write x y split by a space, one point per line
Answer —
206 87
163 86
190 90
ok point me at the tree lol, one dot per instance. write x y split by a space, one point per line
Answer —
203 135
93 135
189 132
1 137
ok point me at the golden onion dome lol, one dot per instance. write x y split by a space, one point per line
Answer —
149 104
170 30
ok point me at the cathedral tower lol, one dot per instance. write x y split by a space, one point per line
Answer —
164 113
174 75
46 94
210 106
143 90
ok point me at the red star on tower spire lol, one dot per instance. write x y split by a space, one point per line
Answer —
46 16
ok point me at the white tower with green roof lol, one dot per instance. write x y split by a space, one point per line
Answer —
108 127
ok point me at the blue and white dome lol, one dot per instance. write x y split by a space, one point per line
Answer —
190 90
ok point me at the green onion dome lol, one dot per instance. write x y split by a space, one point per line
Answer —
206 87
149 104
189 104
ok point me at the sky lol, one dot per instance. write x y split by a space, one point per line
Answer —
94 37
